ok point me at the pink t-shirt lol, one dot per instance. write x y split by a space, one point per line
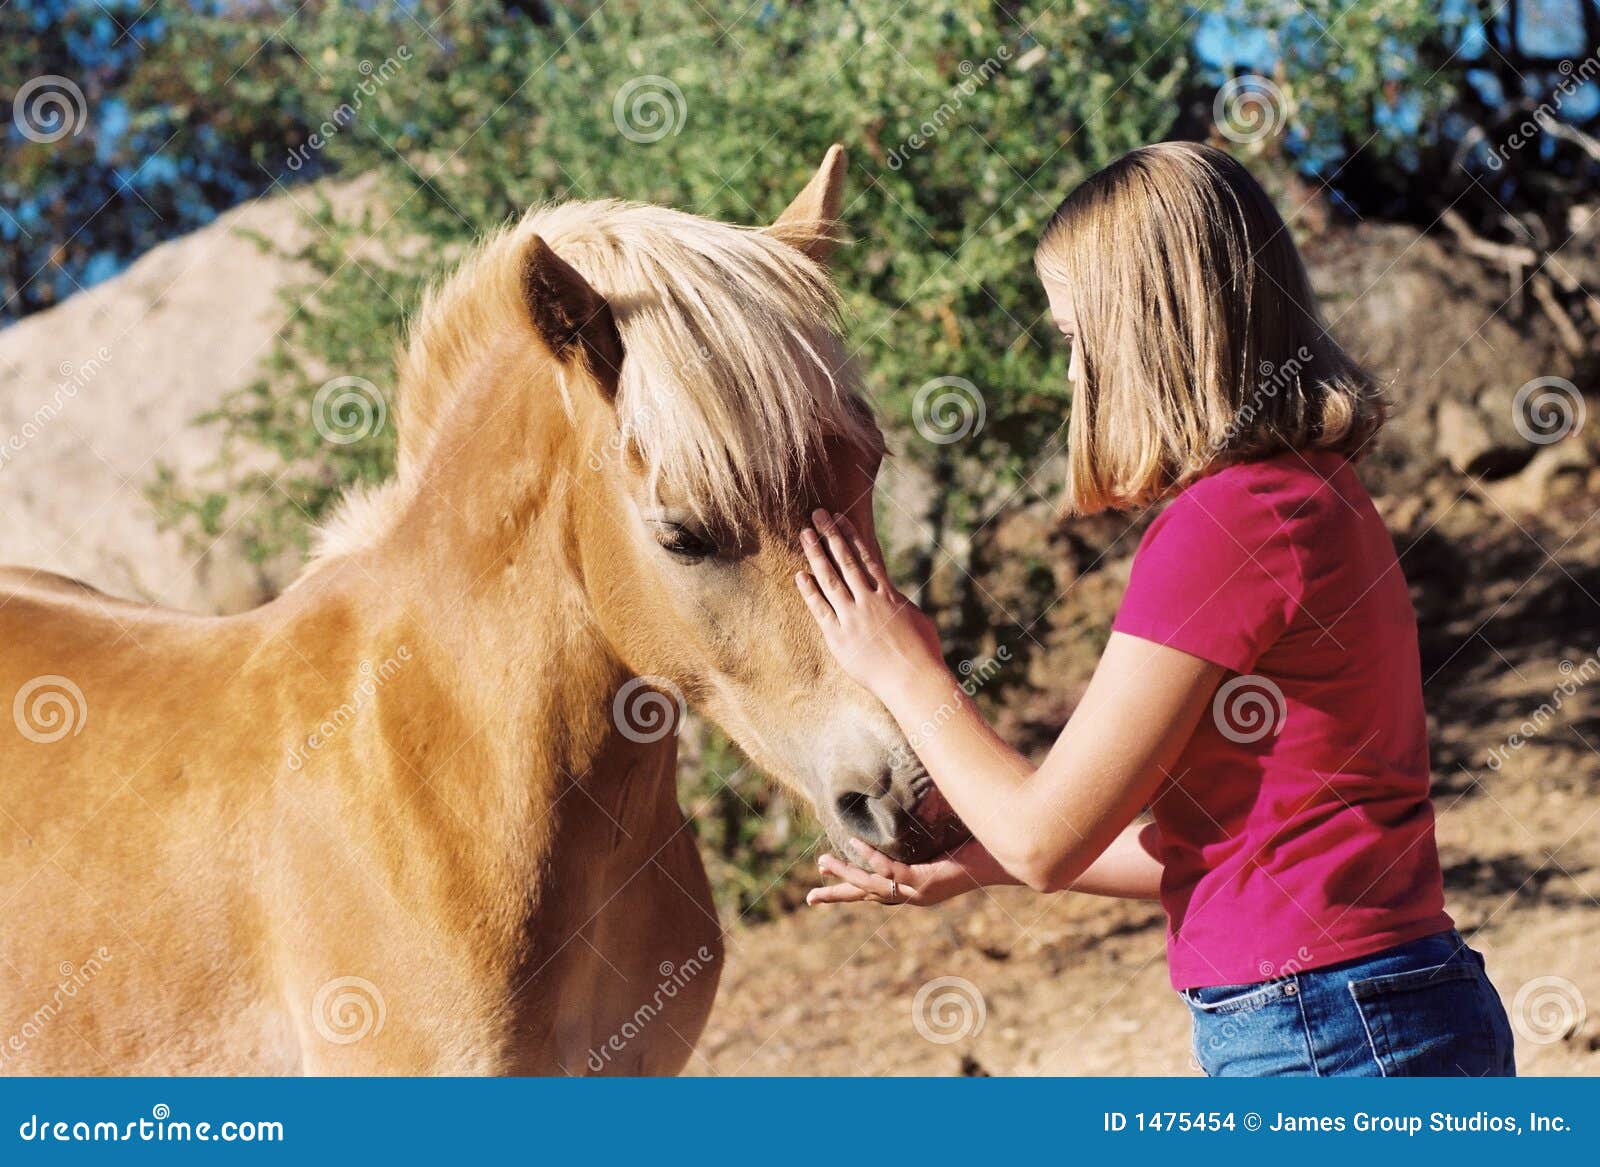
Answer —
1296 829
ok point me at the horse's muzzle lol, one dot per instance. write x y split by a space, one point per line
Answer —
910 821
935 828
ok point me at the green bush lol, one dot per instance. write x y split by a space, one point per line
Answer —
965 122
488 112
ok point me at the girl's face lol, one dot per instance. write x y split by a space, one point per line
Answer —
1066 322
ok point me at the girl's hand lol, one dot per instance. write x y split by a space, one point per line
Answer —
880 638
880 880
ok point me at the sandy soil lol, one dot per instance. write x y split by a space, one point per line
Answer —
1075 985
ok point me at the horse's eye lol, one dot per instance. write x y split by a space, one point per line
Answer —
684 542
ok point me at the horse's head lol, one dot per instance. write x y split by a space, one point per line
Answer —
715 408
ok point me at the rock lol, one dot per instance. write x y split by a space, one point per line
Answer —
98 390
1400 512
1466 437
1429 322
1461 438
1556 471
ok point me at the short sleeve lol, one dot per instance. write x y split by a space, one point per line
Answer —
1215 576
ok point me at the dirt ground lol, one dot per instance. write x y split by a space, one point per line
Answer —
1078 985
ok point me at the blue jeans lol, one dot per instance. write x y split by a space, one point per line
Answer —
1425 1008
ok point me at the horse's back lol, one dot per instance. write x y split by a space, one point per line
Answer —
63 637
36 604
25 583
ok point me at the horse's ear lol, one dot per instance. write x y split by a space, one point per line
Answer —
573 318
810 223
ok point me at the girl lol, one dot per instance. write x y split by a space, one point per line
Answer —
1260 692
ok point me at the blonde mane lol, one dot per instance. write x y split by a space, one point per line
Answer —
733 371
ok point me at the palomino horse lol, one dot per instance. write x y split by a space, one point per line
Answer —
417 815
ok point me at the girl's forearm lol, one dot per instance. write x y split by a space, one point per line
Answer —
1048 824
1129 869
1044 825
981 776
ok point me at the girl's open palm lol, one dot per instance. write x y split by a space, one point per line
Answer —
881 880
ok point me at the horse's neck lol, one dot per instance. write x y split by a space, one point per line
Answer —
464 558
566 806
505 695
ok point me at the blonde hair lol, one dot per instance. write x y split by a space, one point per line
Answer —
1199 336
733 376
733 371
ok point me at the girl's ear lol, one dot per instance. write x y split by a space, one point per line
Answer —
571 317
810 223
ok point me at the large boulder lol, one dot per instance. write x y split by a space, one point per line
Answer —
1437 326
98 391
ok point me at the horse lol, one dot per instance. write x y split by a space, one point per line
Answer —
417 814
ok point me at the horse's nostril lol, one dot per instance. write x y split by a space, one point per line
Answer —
854 809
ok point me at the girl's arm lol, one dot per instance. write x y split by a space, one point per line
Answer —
1044 826
1128 869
